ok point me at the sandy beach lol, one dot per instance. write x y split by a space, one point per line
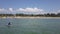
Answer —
34 17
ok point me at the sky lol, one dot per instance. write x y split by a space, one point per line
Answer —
29 6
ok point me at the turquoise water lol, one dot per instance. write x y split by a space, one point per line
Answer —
30 26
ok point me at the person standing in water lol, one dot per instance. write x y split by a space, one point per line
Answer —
9 23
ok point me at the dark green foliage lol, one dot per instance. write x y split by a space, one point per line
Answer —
37 15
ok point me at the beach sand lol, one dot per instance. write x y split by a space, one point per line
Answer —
34 17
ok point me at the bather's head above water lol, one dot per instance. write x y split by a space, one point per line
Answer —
9 23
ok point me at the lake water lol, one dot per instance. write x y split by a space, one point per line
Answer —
29 26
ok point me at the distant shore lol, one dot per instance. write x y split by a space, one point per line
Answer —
34 17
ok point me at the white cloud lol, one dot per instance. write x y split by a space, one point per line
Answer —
30 9
26 11
58 11
2 9
5 11
10 9
23 10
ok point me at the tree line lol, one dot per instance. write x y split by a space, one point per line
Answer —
35 15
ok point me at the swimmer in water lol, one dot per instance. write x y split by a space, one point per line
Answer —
9 23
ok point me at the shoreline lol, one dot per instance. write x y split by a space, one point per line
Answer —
34 17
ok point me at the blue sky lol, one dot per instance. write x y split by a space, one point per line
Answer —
45 5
